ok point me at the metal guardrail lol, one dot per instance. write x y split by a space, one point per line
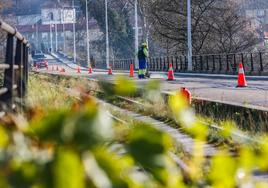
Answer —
15 69
255 63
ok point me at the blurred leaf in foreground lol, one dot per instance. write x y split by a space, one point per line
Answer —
149 147
23 174
4 138
88 128
49 127
106 169
68 171
223 171
124 86
85 126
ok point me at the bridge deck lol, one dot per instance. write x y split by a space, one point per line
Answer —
213 87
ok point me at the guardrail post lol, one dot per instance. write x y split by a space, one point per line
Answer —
207 63
156 61
19 73
164 61
235 64
153 64
7 98
185 63
213 63
25 69
195 64
161 64
227 63
261 65
180 63
150 64
251 62
177 67
172 61
220 63
201 62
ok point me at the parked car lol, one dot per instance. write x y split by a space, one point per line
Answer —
39 60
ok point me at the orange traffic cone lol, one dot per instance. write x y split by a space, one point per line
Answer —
241 77
131 74
170 73
110 71
46 63
90 71
78 69
187 95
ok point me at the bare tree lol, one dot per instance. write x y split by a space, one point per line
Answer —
231 32
217 26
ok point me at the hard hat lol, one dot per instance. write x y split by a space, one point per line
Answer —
144 44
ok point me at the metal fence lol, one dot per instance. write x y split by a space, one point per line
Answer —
254 63
14 69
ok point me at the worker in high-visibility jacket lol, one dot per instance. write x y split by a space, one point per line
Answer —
142 55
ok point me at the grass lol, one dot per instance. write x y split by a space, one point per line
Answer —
53 92
160 111
50 93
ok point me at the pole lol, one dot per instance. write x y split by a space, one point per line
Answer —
50 31
88 58
74 32
63 30
36 33
136 35
56 33
107 35
189 35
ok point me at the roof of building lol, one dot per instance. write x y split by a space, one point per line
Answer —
54 4
46 28
30 7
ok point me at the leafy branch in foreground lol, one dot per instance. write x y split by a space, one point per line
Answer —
74 146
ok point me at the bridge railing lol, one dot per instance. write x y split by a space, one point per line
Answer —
14 69
254 63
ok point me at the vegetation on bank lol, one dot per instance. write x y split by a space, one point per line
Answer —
66 139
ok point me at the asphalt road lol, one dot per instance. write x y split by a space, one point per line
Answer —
211 87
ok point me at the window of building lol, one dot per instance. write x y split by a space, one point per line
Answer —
51 16
260 13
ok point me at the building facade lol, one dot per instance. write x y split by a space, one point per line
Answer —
51 27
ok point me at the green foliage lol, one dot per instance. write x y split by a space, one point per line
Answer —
73 175
149 147
121 87
74 147
121 33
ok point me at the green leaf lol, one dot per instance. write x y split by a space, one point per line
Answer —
149 147
49 127
4 138
68 171
88 128
116 168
